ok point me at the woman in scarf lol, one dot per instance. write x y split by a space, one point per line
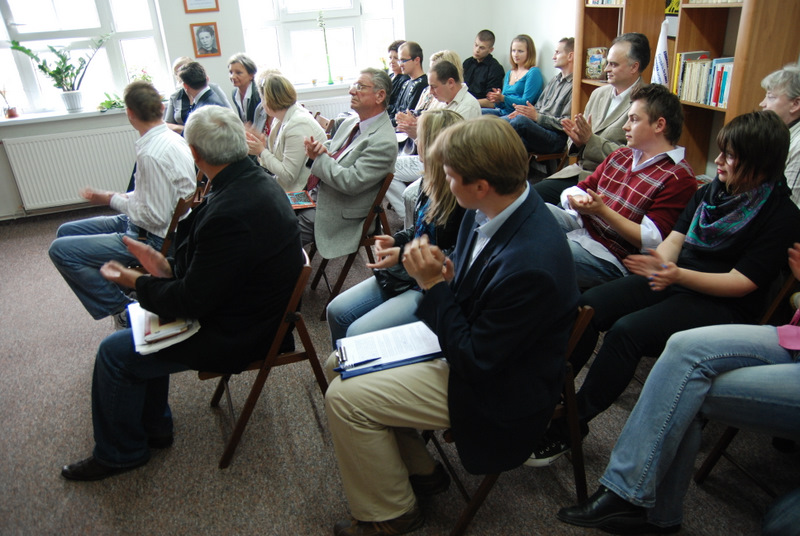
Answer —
715 267
391 297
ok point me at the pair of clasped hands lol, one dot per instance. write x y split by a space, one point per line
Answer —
426 263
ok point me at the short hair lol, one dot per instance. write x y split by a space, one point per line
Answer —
450 56
193 75
414 50
639 49
380 80
246 62
529 46
143 99
277 91
434 182
395 46
217 134
205 28
486 36
445 71
786 81
660 102
759 142
486 148
569 43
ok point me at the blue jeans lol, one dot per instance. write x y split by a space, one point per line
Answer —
536 138
363 309
713 372
129 400
83 246
591 270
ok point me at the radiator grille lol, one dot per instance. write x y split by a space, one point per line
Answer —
50 170
329 107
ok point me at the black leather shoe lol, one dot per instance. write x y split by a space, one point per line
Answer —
607 511
91 469
432 484
160 442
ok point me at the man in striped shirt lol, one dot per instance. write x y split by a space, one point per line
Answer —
164 173
633 198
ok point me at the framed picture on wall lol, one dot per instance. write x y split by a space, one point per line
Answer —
205 39
200 6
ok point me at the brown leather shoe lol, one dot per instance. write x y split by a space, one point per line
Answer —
407 522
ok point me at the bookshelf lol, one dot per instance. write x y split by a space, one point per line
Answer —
597 25
761 35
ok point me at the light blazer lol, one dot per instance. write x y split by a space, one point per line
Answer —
503 324
349 184
285 155
607 135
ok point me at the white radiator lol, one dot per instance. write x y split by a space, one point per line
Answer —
329 107
51 170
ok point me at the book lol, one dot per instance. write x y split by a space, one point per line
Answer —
300 200
386 348
157 328
681 68
717 66
138 317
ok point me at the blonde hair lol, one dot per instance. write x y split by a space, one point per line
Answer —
276 90
530 61
434 183
452 57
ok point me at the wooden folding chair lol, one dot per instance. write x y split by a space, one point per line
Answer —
326 124
274 358
376 223
568 408
181 209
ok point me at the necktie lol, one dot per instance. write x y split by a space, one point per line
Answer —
313 180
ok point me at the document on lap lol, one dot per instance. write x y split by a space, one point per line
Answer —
386 348
147 342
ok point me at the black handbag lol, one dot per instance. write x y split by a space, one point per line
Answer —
393 280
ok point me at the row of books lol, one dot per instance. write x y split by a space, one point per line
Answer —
604 2
714 1
700 79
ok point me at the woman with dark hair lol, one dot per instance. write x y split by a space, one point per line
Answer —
245 96
715 267
523 83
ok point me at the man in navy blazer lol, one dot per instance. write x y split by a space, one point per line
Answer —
502 308
237 258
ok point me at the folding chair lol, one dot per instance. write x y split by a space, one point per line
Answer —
567 408
552 162
274 358
376 216
181 209
326 124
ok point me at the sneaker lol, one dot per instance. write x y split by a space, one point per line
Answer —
120 320
407 522
432 484
547 451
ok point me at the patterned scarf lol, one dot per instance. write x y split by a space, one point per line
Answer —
721 215
422 227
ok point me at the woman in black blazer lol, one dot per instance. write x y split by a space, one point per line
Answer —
245 96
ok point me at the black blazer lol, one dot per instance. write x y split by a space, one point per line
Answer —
503 324
237 258
255 100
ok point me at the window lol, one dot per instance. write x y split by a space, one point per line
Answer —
135 47
287 35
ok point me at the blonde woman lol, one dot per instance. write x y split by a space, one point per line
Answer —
283 153
391 297
522 84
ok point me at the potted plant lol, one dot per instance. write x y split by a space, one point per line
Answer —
66 74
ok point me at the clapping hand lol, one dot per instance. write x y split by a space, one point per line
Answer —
660 273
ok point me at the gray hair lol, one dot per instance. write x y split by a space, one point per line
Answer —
217 134
381 81
246 62
786 80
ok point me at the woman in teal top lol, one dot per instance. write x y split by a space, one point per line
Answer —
522 84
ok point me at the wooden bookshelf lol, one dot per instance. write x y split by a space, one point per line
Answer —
767 38
598 25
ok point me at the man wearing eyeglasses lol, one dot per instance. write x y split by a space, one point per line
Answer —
410 58
347 171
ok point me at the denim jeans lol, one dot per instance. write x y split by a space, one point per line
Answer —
536 138
83 246
591 270
363 309
714 372
783 516
129 400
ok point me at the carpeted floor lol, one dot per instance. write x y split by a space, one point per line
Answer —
284 478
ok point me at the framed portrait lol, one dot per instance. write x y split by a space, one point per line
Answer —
205 39
200 6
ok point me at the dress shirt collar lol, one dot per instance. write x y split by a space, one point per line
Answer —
487 228
676 155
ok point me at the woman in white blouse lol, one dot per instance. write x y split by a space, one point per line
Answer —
283 153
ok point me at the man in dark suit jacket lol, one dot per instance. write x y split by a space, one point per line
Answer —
195 84
237 259
502 313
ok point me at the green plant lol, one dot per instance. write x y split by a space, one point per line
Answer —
111 102
66 74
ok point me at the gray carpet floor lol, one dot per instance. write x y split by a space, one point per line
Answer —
284 478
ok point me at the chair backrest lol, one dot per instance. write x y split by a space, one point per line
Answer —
377 210
585 314
181 209
326 124
780 301
292 308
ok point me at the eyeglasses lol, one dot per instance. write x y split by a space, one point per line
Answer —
401 60
358 86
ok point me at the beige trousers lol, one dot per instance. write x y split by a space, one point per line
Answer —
374 420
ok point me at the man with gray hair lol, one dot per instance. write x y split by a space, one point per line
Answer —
783 98
347 171
237 259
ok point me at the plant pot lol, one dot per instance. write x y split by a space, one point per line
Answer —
73 101
11 112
